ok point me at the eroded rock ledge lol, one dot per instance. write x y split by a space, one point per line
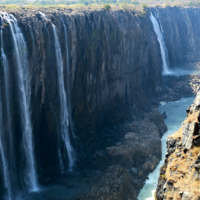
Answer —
126 165
180 174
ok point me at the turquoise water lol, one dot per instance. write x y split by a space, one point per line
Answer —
176 113
176 71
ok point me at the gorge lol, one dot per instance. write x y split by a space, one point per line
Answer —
79 92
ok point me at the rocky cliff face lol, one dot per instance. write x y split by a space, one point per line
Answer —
114 66
179 175
181 33
114 63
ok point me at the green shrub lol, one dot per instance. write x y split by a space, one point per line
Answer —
144 5
142 13
127 6
107 6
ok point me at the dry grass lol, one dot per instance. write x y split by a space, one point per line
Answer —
192 117
178 170
177 134
183 177
195 151
11 7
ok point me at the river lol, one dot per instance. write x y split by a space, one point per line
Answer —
176 113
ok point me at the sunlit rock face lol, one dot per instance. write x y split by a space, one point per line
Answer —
179 175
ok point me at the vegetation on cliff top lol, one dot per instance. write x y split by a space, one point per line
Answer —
124 4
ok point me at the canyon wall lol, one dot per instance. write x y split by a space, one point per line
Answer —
112 70
181 33
114 63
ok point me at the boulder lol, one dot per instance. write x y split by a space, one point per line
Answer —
188 131
116 183
186 196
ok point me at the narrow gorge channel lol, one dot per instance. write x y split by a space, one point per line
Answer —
176 113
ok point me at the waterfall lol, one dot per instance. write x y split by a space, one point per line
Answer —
43 15
64 115
68 80
7 175
33 41
163 49
6 77
20 52
3 155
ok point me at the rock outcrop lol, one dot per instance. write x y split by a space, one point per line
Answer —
179 175
180 86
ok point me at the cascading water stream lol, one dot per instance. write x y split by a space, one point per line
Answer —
6 77
68 79
64 115
163 49
20 52
33 41
3 156
2 142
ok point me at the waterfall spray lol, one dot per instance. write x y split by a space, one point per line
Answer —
163 49
3 156
64 115
68 80
20 52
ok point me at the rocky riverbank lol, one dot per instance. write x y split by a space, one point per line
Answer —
180 86
179 175
126 164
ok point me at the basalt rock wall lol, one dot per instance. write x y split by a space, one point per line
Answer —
114 65
181 32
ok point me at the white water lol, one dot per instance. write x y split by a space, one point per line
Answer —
3 156
176 113
43 15
33 41
163 49
176 71
6 78
64 115
68 80
20 51
2 144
